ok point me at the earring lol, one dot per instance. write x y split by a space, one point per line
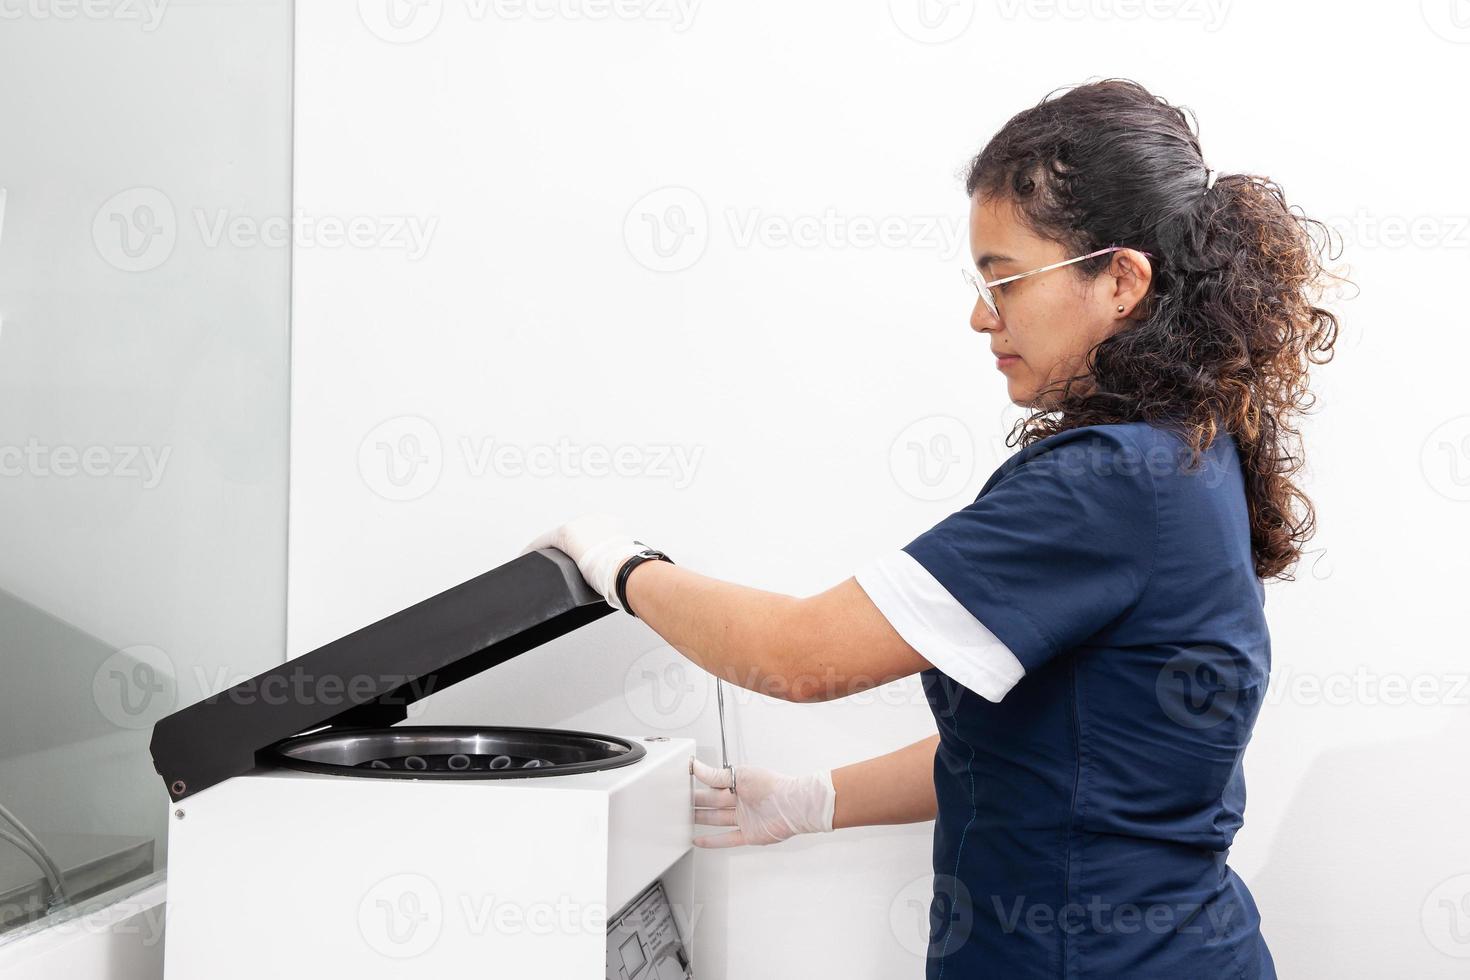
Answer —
1120 309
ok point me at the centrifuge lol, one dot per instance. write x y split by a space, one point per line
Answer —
312 834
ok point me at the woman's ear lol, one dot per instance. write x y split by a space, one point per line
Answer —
1131 273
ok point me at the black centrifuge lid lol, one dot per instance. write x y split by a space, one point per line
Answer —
369 678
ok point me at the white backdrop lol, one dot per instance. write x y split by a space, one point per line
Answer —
695 265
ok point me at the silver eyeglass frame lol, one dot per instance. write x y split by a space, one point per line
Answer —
983 288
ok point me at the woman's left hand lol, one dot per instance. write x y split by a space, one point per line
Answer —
764 806
599 546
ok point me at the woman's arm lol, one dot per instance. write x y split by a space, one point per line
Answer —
893 788
818 648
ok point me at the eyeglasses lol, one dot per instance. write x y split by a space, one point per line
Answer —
983 288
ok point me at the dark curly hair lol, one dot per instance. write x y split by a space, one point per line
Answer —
1229 327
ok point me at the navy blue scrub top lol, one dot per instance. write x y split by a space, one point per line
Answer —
1085 817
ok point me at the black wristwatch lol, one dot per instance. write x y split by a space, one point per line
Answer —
647 554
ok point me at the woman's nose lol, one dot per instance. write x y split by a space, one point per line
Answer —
981 319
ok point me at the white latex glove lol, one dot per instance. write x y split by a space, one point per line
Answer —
765 808
599 546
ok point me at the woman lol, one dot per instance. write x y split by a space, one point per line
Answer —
1089 631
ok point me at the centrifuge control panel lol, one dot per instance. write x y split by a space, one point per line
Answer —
643 941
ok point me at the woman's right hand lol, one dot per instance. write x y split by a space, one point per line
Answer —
765 807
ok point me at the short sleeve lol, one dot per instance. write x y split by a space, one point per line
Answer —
1054 549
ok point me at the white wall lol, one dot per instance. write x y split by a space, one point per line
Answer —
585 275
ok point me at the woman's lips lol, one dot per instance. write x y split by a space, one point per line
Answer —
1003 361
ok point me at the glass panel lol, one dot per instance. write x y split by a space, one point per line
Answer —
143 411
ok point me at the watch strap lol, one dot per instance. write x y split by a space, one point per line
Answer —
621 588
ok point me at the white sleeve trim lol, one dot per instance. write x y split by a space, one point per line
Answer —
934 623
